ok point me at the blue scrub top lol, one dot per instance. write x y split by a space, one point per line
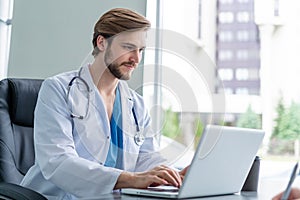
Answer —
115 156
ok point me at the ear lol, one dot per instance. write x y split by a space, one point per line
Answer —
101 43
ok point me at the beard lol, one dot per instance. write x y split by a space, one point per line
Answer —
114 67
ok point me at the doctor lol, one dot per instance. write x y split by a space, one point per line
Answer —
92 133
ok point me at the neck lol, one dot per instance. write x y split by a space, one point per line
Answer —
103 79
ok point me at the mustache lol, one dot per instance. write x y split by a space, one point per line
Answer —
129 63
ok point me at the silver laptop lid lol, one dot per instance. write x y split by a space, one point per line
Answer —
222 161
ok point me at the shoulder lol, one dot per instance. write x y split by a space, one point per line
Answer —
56 85
59 81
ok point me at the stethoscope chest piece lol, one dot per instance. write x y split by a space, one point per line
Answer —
139 138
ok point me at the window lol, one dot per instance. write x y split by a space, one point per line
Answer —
225 55
243 17
243 35
225 36
254 91
199 18
242 74
276 8
225 74
254 54
247 74
228 90
242 90
253 74
226 17
225 90
242 54
226 1
243 1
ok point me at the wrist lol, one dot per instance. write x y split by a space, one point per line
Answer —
125 180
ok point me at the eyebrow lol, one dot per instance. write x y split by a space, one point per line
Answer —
133 45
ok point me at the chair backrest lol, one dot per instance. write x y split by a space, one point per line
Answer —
17 103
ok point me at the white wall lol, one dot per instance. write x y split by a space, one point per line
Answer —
285 52
52 36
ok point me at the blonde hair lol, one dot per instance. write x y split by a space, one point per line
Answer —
115 21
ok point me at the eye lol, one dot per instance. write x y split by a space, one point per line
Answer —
129 47
141 50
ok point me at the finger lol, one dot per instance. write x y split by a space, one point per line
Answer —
160 167
156 180
183 172
176 175
277 197
171 176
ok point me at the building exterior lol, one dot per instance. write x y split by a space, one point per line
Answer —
237 47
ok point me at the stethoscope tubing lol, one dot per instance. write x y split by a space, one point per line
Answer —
138 138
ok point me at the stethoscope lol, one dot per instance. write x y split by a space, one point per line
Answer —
139 138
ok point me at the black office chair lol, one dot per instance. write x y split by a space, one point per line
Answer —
17 103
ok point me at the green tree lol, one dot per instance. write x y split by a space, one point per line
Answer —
289 127
171 127
199 127
249 119
198 131
280 109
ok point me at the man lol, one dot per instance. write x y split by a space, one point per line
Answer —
92 133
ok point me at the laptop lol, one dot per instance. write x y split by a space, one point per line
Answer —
220 164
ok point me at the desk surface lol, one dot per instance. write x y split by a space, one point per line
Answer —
244 196
268 187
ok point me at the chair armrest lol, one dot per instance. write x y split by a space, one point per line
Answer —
18 192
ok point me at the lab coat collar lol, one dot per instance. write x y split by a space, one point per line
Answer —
126 95
86 75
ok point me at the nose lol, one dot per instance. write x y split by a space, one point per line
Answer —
135 56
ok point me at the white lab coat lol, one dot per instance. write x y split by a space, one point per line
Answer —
70 152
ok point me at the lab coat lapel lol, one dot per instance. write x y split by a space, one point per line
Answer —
93 130
130 149
97 102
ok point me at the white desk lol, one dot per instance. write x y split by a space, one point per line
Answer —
268 187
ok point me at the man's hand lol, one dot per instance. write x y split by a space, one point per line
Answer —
183 172
161 175
294 195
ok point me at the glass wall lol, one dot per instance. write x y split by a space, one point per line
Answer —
253 64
